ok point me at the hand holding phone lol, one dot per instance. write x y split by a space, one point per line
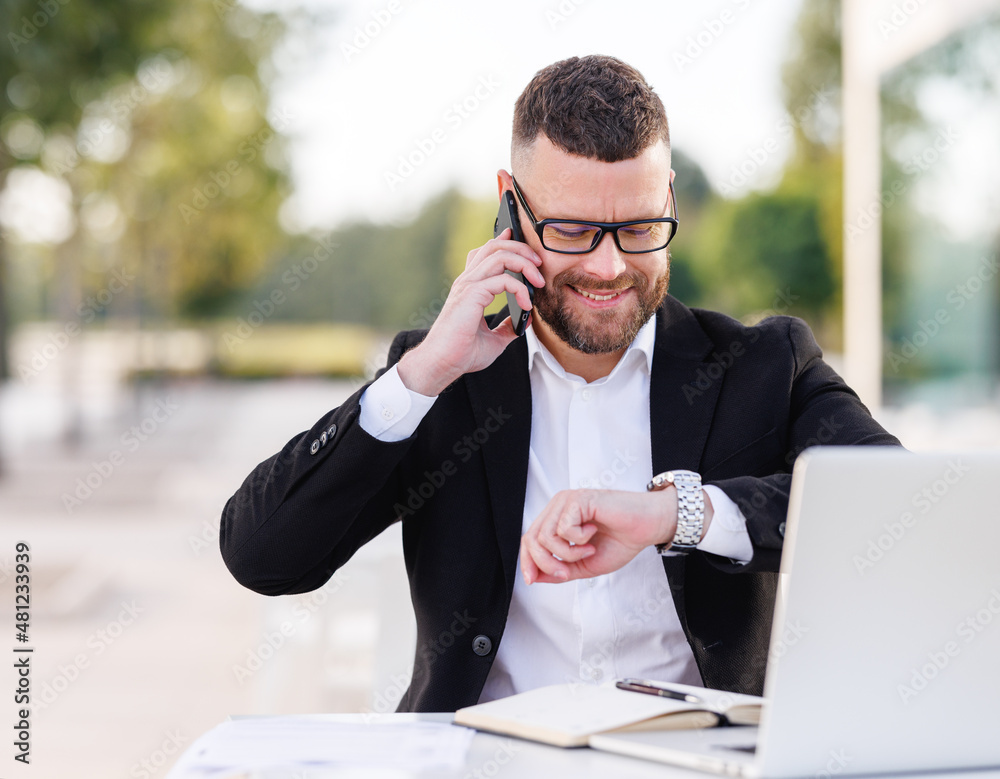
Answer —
507 217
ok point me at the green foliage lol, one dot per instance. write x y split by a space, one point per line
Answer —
156 112
770 250
388 276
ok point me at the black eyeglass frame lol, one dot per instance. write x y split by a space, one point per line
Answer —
603 227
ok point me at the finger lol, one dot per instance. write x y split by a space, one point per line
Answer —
575 533
503 259
504 282
557 545
519 257
543 560
529 570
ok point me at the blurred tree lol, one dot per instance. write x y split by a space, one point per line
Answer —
386 276
153 113
780 251
693 193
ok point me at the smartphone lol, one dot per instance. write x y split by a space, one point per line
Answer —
507 217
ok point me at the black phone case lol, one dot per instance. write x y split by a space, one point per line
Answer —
507 217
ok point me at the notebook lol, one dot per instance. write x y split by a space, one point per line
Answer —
885 647
567 715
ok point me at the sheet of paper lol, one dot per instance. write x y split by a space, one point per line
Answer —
260 743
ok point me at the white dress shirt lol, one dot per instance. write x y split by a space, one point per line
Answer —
583 435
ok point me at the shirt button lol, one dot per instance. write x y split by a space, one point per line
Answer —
591 583
586 394
387 414
596 674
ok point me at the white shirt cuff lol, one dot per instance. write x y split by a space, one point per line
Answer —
727 535
391 412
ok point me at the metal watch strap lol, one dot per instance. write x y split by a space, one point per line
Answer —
690 510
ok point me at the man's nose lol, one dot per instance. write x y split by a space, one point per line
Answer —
606 260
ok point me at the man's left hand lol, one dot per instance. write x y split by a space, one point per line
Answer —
586 533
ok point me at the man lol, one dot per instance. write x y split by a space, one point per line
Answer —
519 466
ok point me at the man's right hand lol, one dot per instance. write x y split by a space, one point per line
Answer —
460 341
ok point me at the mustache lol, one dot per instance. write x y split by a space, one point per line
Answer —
573 278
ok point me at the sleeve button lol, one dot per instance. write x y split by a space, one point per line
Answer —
314 447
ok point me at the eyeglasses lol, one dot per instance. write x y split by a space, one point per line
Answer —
573 236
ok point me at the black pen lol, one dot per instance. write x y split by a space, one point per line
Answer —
652 688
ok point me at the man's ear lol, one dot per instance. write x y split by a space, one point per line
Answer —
504 181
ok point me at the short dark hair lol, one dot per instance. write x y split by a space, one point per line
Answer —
596 106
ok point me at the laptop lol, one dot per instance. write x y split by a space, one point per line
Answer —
885 645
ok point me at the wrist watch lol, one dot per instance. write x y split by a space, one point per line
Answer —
690 510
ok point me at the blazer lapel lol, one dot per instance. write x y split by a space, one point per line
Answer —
682 398
683 390
501 398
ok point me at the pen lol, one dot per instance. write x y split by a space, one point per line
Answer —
652 688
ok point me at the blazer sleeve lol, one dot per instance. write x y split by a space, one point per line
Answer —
302 513
821 410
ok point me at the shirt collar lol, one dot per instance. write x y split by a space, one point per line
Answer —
640 348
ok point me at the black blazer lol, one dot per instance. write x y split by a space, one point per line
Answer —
734 403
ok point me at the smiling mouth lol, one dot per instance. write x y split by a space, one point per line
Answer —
594 296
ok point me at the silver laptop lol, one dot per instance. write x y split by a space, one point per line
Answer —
885 647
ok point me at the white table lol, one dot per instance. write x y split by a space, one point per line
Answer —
510 758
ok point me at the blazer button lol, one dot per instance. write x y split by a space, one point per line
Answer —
331 432
482 645
314 446
322 438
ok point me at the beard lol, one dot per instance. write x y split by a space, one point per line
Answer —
603 331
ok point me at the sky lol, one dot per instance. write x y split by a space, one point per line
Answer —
389 102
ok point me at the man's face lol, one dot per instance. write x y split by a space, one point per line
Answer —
596 302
